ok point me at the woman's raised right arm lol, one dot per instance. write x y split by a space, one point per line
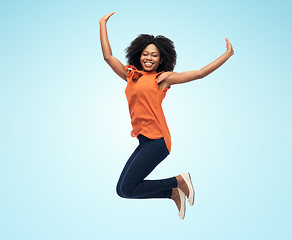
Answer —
114 63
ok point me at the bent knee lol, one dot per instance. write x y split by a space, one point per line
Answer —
124 191
127 192
118 190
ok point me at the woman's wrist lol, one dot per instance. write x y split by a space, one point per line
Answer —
102 21
229 53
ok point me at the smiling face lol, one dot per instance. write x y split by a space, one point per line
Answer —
150 58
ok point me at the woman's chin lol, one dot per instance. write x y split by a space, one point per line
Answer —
148 69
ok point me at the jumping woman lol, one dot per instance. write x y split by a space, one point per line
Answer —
149 75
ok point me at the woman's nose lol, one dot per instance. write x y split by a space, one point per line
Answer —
148 57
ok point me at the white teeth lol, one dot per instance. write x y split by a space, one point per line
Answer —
148 64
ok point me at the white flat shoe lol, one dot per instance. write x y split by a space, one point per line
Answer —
182 197
187 177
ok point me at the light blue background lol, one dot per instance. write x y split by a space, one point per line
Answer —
65 126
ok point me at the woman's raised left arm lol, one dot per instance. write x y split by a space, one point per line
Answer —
183 77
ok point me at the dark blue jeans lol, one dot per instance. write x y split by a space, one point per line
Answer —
148 154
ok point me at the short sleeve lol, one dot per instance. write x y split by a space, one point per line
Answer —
165 89
132 73
129 67
159 74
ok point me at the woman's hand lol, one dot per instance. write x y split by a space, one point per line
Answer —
183 77
229 47
114 63
106 17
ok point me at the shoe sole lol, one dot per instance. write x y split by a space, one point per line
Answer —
187 177
182 198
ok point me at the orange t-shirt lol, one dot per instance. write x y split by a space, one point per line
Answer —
144 100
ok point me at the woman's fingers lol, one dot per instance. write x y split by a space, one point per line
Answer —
229 46
106 17
227 41
109 15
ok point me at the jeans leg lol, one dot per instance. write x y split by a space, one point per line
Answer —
131 158
132 183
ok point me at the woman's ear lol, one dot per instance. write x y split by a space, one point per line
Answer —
161 60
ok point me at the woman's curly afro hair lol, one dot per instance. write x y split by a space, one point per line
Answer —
163 44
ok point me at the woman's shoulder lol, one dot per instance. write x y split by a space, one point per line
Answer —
163 76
